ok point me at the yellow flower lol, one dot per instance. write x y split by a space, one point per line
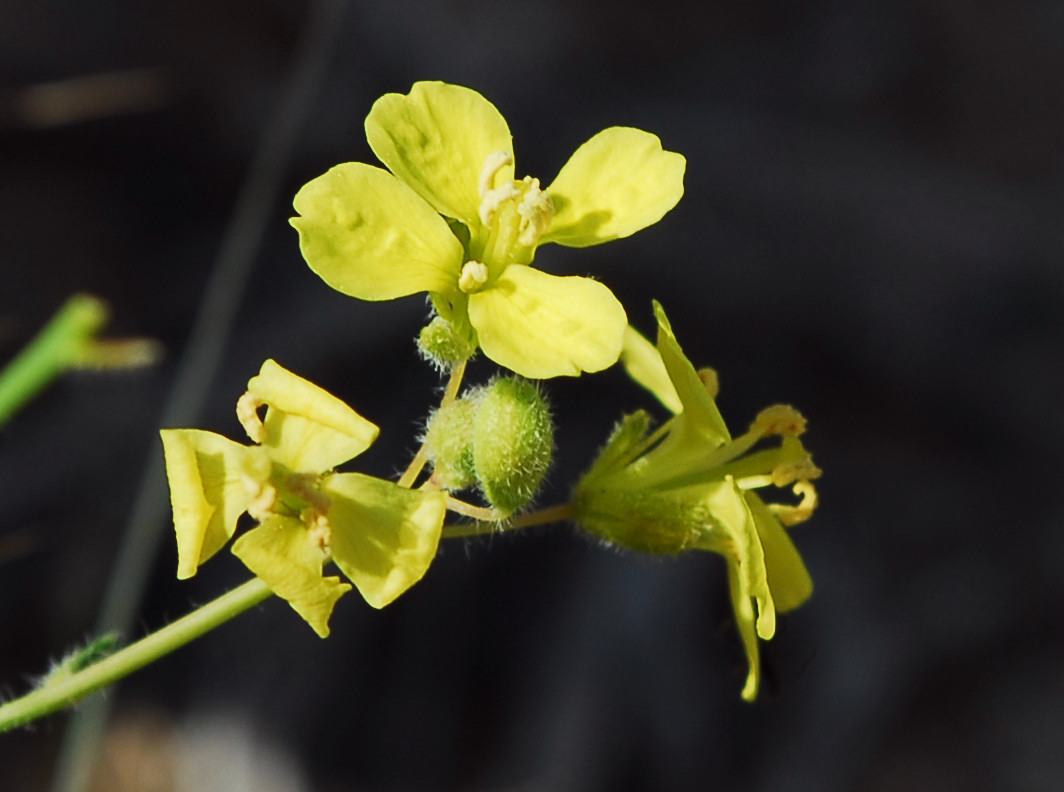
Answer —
691 486
451 220
382 536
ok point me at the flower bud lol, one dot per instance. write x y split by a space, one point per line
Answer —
449 442
441 345
513 440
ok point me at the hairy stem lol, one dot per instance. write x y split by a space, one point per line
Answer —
559 513
68 690
450 393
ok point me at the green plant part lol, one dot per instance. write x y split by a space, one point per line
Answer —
690 485
81 658
68 341
449 442
499 437
442 346
513 441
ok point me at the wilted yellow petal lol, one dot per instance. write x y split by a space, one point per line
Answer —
280 552
541 325
207 492
643 363
743 608
370 236
382 536
437 139
615 184
730 515
788 579
307 428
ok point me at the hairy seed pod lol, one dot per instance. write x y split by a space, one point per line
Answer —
513 440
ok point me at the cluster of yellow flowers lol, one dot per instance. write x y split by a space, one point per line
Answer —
449 217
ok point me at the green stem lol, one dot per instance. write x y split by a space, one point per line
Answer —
479 513
558 513
55 349
417 464
68 690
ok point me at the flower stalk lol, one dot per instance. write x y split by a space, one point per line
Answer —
71 689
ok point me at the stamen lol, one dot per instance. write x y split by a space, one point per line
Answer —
263 498
473 276
247 412
781 419
255 469
799 470
792 515
318 528
710 381
493 199
536 211
493 163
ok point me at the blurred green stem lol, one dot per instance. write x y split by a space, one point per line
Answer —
68 341
56 348
69 689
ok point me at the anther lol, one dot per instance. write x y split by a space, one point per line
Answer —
473 276
492 197
536 212
247 412
798 470
710 381
493 163
781 419
263 498
318 529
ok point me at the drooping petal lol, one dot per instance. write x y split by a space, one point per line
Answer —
207 492
734 534
617 183
642 361
307 428
281 552
788 579
747 578
743 608
437 139
541 325
370 236
382 536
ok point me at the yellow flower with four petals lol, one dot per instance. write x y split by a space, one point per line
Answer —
382 536
452 220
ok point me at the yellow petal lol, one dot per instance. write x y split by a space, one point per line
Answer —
370 236
307 428
281 553
738 540
437 139
744 620
701 423
615 184
382 536
541 325
788 579
207 492
643 363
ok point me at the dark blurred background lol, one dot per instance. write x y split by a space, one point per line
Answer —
871 232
